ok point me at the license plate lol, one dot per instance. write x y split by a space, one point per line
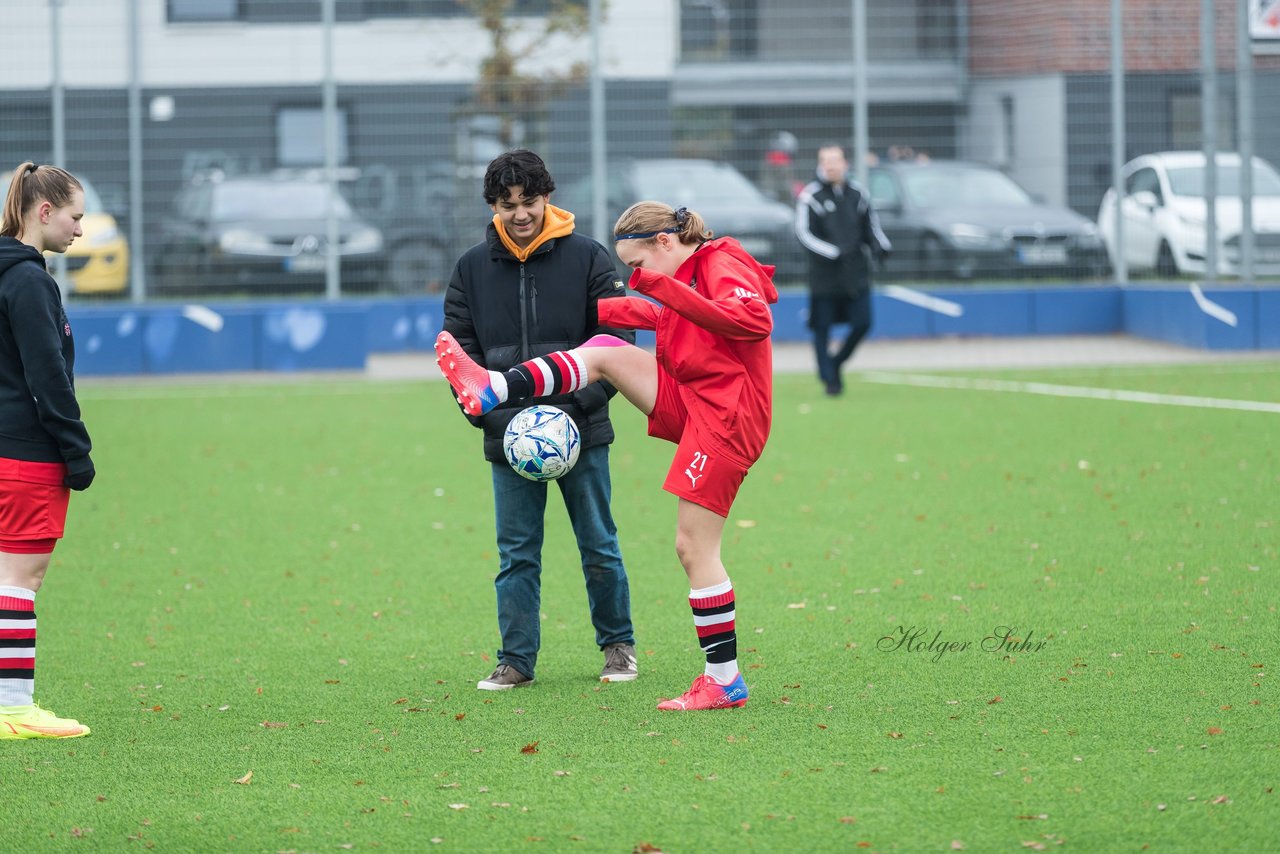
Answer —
304 264
1042 254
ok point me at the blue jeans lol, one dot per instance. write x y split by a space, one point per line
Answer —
519 508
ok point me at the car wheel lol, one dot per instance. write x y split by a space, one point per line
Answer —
417 267
1166 265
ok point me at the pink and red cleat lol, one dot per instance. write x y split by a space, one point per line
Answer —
470 381
707 693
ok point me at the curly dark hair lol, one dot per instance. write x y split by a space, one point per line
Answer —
520 168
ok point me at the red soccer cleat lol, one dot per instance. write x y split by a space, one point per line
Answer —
469 380
707 693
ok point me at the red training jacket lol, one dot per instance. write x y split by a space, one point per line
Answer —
712 329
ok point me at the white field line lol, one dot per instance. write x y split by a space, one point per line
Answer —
923 300
204 316
1211 308
1054 390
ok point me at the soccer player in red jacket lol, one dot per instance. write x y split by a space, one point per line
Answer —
708 388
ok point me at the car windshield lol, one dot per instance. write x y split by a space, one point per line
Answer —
692 183
1189 180
949 186
238 200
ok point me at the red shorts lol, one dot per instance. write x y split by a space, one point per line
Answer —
703 471
33 506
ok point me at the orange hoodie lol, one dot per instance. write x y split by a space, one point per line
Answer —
556 222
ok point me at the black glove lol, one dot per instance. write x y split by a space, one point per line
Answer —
79 474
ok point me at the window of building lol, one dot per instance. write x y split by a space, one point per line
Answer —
310 11
300 136
183 11
1185 122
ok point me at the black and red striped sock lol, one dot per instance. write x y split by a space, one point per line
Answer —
17 646
556 373
714 611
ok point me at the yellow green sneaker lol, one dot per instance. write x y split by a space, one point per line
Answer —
35 722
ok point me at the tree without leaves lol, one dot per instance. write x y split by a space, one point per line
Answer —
502 88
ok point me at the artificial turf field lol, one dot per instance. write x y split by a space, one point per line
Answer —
274 603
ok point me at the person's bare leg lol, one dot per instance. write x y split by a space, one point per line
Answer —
698 533
23 570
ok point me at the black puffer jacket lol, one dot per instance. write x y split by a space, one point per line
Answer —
39 415
504 311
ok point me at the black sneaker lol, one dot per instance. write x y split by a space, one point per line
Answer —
619 663
504 678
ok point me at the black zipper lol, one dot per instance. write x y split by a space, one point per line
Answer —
525 355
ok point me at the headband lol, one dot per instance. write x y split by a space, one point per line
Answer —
641 235
681 215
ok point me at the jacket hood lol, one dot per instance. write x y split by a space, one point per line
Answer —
14 251
556 222
763 272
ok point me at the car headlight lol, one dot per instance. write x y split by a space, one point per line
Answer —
103 236
243 241
364 240
1090 236
963 234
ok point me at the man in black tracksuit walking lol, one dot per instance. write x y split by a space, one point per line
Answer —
529 290
836 223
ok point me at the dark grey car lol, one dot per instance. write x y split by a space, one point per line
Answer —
957 220
263 234
731 205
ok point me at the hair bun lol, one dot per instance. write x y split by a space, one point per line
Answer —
682 215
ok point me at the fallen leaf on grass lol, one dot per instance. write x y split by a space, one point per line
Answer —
244 781
272 724
994 700
1213 730
458 806
847 819
531 747
957 845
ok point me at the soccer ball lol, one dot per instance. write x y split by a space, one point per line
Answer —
542 443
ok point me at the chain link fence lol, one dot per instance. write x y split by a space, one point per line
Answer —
335 147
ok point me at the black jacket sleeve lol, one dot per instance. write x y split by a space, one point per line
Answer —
604 283
38 328
458 323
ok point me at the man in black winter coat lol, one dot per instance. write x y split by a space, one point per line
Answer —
837 225
529 290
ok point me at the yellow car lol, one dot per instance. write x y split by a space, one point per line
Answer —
98 260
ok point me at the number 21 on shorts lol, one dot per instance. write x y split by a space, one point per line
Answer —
696 468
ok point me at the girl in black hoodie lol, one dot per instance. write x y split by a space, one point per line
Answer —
44 447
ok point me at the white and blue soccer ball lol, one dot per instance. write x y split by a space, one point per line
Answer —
542 443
